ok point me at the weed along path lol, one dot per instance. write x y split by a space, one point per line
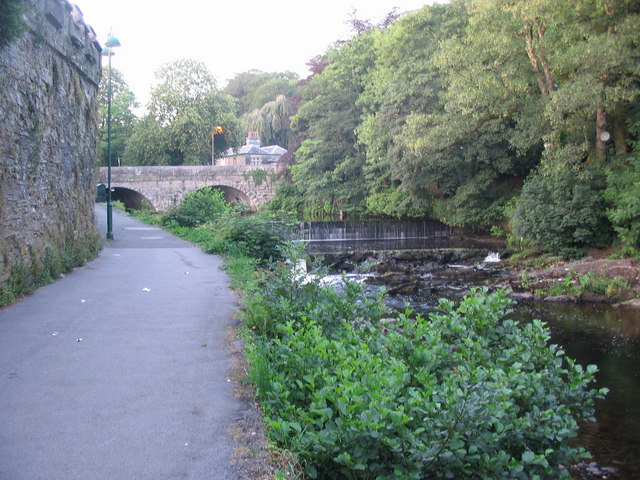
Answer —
119 370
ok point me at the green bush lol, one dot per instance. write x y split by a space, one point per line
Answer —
623 194
466 393
562 213
261 236
288 198
206 219
285 292
198 208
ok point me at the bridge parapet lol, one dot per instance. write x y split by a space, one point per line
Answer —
165 186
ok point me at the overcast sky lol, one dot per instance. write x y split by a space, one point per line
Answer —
231 36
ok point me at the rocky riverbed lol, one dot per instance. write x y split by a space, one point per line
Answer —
527 284
411 271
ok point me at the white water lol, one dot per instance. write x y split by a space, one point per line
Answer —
493 257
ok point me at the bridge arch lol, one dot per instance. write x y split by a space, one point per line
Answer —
234 196
132 199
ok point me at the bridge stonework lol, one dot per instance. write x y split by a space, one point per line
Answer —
164 186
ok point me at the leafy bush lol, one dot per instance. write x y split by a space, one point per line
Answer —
623 194
285 293
205 218
288 198
611 287
466 393
580 284
198 208
562 213
261 236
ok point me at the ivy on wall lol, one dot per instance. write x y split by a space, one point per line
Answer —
11 24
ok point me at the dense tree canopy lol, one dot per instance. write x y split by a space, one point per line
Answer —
330 160
448 111
264 103
184 109
123 104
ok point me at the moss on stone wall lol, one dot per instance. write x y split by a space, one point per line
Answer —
36 271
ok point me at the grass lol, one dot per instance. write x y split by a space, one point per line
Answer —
36 272
577 285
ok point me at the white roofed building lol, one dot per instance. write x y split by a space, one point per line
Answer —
251 153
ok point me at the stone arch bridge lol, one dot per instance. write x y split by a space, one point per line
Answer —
161 187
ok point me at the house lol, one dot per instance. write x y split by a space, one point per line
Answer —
251 153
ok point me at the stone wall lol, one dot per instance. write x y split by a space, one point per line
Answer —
49 81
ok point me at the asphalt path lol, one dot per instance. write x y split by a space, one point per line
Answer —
119 370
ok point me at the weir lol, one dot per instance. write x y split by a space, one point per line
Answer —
346 236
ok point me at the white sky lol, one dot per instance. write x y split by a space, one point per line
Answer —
231 36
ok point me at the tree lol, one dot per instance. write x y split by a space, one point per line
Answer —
185 107
598 78
123 104
271 121
329 161
623 189
405 82
264 103
255 88
473 146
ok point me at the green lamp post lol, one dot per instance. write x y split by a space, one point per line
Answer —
109 45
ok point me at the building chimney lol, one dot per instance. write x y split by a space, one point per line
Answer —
253 139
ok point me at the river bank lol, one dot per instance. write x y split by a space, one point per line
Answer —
589 280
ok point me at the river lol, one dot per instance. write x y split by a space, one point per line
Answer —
590 333
610 338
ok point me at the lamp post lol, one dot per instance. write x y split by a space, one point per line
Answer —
216 131
110 44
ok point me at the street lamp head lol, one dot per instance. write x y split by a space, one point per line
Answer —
107 52
112 42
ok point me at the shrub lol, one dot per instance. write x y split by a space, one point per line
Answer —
466 393
562 213
198 208
261 236
623 194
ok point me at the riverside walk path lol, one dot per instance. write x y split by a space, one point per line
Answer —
119 370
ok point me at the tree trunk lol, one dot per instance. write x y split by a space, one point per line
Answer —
602 136
551 84
528 39
620 133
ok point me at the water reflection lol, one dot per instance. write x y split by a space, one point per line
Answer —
610 338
